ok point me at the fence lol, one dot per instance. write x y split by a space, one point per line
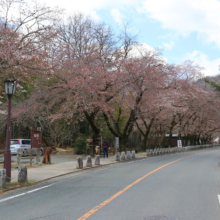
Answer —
2 153
24 155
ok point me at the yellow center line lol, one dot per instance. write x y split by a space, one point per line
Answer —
95 209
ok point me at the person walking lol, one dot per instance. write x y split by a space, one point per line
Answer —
105 146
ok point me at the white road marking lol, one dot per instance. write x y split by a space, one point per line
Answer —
34 190
218 198
12 197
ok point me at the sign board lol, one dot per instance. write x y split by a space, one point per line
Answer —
117 142
179 143
36 139
89 140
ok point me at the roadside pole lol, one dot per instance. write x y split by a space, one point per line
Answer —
116 144
38 149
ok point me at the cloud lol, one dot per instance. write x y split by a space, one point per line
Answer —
89 7
117 16
169 46
187 16
211 66
141 49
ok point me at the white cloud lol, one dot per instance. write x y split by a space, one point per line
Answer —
141 49
169 46
211 66
89 7
187 16
117 16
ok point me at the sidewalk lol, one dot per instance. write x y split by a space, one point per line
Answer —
47 171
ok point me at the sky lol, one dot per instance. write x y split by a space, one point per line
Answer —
185 29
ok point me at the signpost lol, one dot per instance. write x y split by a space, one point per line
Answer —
89 140
179 143
89 148
36 142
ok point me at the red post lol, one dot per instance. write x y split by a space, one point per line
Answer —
7 159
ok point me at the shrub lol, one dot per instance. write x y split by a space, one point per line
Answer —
80 144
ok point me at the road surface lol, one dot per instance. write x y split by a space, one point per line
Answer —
181 186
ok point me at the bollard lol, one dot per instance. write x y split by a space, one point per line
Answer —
122 155
22 174
128 155
147 152
117 156
2 178
133 154
158 151
154 152
151 152
88 161
79 163
97 160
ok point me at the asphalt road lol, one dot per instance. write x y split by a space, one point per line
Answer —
183 186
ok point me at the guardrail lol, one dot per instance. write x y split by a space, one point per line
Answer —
25 155
2 155
158 151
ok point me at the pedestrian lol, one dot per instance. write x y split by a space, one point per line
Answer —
105 146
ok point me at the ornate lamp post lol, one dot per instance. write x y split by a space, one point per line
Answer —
10 87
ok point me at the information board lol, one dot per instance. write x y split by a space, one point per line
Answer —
36 139
179 143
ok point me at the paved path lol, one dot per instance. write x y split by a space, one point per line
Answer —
184 186
46 171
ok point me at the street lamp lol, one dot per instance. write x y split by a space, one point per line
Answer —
10 87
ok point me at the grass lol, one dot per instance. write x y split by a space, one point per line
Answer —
14 185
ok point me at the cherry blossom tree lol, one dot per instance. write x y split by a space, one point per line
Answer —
26 32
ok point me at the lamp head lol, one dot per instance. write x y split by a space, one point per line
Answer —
10 86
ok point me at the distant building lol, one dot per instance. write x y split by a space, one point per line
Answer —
175 137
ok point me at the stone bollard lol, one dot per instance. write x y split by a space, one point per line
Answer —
117 156
147 152
133 154
154 152
88 161
97 160
122 155
79 163
128 155
160 151
22 174
2 178
151 152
